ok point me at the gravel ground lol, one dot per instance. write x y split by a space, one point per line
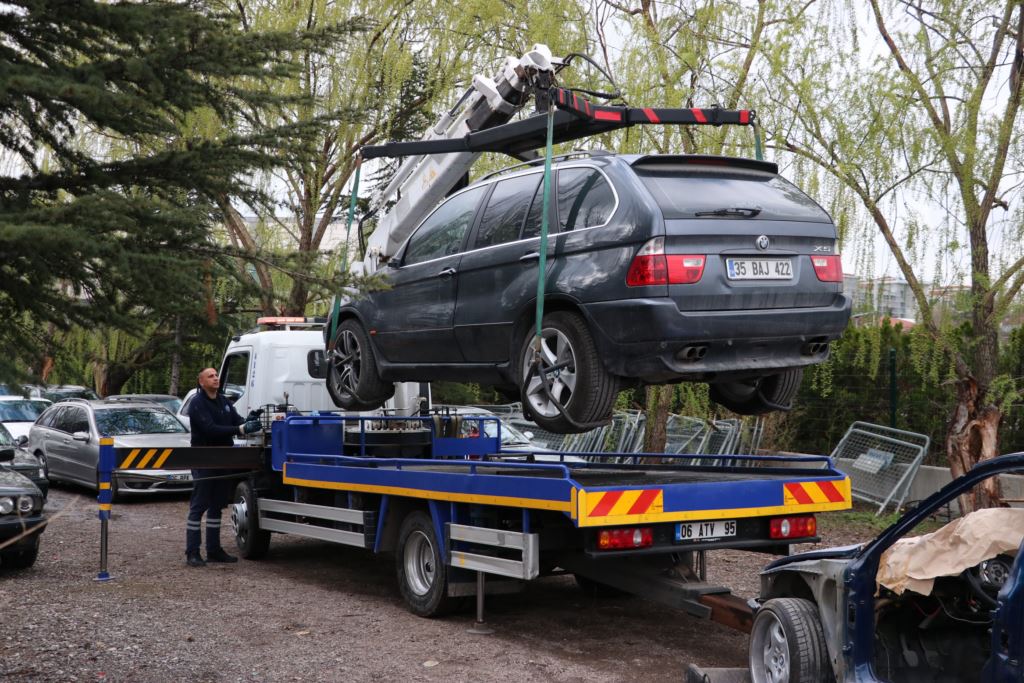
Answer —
313 611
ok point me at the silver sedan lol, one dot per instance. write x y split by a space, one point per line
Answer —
66 439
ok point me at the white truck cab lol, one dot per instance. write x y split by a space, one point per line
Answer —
280 366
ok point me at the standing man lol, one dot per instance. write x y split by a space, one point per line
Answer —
214 422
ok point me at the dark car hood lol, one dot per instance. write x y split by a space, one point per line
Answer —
15 483
845 552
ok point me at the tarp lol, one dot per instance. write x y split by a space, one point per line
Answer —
913 563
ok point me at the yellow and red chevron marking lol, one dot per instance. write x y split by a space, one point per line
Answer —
612 508
624 503
817 492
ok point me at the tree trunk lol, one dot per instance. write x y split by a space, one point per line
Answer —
176 358
973 437
659 401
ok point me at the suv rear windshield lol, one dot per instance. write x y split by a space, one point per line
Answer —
683 190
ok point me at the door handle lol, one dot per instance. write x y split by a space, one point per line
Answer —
530 256
447 273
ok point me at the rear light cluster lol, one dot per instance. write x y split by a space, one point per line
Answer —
828 268
793 527
623 539
651 266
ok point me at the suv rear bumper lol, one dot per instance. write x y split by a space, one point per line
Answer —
735 343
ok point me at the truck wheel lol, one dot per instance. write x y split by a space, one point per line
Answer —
252 542
760 396
787 643
21 558
422 575
585 389
352 379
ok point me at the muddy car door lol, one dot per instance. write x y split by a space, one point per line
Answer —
412 321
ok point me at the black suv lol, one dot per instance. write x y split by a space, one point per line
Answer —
660 269
21 514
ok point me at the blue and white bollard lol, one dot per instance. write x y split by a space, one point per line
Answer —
105 499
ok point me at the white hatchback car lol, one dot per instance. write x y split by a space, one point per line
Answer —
18 413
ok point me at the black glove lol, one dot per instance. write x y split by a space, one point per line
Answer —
251 427
254 415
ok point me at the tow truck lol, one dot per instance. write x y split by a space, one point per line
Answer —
446 500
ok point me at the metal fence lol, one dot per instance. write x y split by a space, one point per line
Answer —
625 434
880 461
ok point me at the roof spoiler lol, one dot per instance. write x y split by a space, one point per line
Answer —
652 160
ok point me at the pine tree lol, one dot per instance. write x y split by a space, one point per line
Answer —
106 203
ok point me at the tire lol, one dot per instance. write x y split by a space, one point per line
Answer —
352 378
787 644
583 386
251 541
422 576
21 558
760 396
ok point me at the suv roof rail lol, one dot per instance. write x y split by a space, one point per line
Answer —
73 399
579 153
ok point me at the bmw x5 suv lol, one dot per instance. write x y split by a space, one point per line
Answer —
660 269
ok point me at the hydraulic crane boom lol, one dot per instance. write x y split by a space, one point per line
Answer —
423 180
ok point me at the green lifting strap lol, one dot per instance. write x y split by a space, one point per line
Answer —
344 254
542 262
757 139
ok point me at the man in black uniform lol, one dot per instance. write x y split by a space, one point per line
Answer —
214 422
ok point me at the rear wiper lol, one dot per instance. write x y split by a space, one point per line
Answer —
745 211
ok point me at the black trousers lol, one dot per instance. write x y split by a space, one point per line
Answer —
211 493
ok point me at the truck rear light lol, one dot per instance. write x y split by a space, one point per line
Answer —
828 268
793 527
685 269
624 539
651 266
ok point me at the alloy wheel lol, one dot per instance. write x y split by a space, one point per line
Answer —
558 365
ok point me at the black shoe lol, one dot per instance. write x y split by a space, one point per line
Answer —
194 560
219 555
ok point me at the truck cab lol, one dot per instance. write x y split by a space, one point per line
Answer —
279 363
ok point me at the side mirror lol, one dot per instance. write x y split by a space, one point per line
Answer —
6 454
21 441
81 436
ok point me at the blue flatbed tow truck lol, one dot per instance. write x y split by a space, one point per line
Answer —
454 507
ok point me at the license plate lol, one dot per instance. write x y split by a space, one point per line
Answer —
759 268
698 531
180 477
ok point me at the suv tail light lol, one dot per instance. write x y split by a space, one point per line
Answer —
651 266
621 539
828 268
793 527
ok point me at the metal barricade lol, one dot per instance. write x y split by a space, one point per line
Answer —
880 461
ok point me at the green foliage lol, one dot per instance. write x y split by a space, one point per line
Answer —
853 385
105 217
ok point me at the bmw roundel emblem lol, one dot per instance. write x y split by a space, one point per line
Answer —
763 242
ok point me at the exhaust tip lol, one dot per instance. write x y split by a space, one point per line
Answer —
691 354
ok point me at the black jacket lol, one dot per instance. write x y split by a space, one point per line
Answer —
214 420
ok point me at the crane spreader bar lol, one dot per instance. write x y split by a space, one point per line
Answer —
576 117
